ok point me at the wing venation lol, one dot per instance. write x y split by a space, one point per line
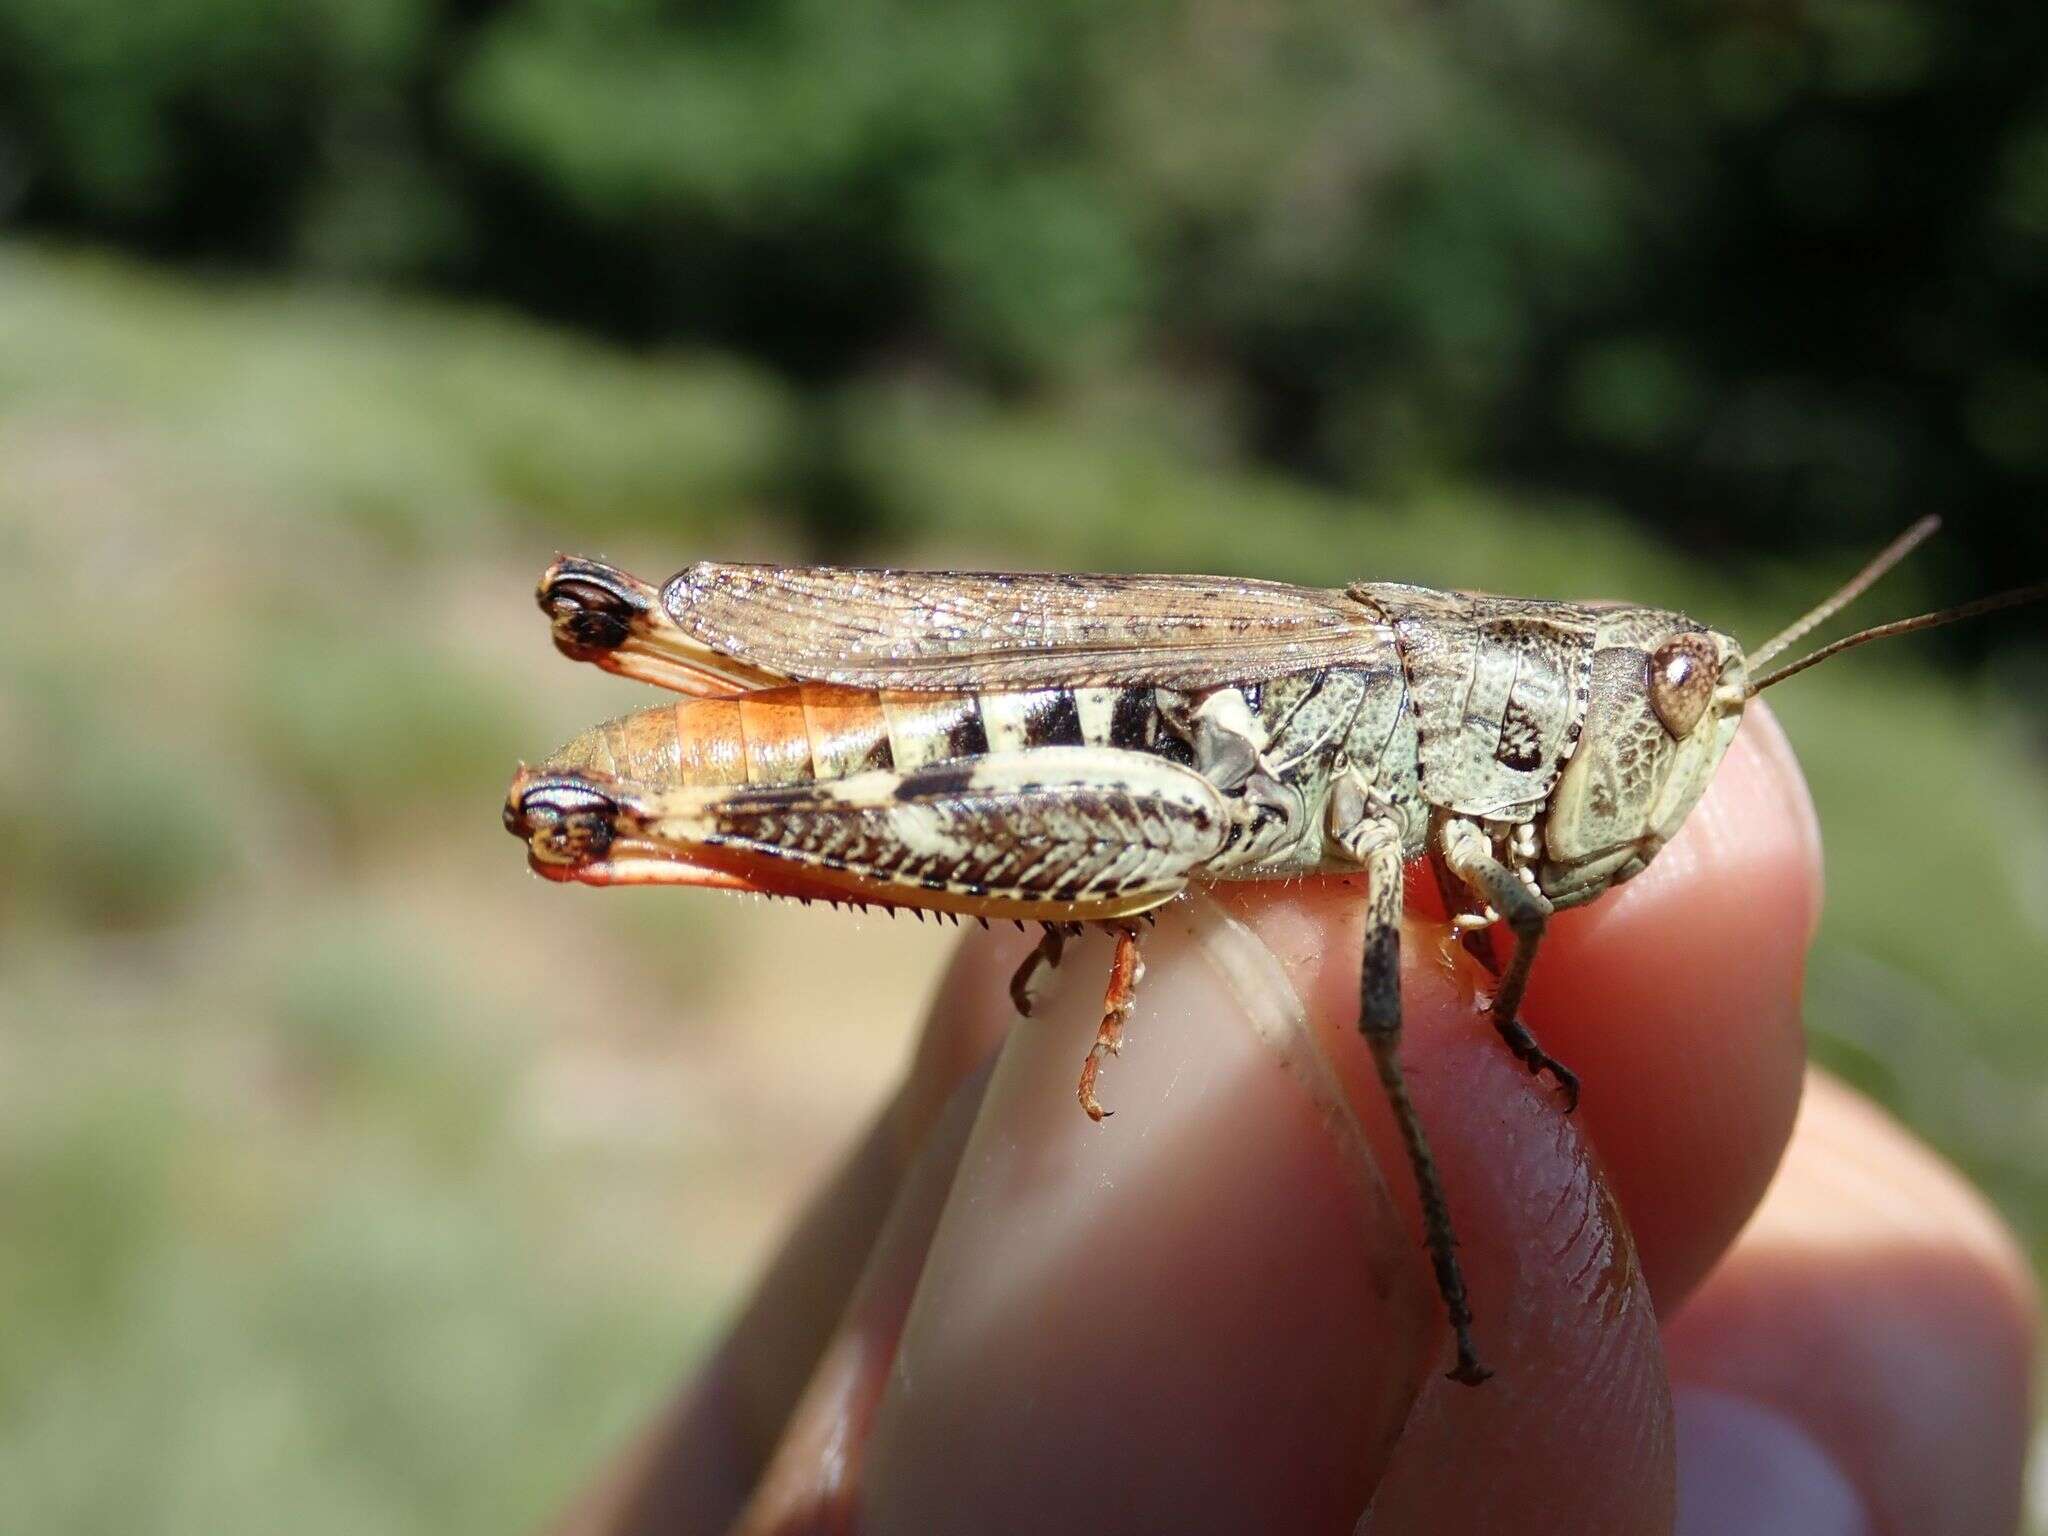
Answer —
974 629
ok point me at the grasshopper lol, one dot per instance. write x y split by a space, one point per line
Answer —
1078 749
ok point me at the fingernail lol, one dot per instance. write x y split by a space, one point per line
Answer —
1748 1470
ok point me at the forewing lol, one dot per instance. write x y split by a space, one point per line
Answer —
975 629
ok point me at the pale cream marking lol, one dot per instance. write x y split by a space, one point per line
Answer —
912 741
1002 719
1097 708
1227 711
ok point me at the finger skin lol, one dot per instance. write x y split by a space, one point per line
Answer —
1566 1321
1564 1317
1196 1328
1879 1306
1183 1316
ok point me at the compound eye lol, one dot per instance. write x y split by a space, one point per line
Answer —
1683 672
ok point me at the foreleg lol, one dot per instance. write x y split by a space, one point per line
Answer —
1527 914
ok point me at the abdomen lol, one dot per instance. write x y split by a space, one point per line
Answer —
810 732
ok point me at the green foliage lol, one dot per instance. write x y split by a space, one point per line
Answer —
1710 261
411 421
356 715
363 1339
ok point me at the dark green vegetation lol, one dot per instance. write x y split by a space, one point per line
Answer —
1757 272
345 1165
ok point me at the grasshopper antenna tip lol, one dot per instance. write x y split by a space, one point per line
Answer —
2017 597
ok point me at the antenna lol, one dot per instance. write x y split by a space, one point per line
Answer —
2012 599
1850 590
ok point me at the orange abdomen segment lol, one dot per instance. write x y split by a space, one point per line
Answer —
848 730
711 743
788 735
770 736
773 736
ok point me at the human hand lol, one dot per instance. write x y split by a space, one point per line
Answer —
1213 1312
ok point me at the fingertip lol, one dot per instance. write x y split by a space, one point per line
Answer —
1855 1177
1562 1316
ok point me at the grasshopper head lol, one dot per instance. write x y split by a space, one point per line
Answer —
1667 696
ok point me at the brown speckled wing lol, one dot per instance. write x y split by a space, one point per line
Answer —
973 629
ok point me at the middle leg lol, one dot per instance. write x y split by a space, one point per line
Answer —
1378 846
1126 969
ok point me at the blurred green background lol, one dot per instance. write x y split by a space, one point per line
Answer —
344 1168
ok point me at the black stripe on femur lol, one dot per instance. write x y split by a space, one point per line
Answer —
1053 720
967 736
1133 720
937 783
